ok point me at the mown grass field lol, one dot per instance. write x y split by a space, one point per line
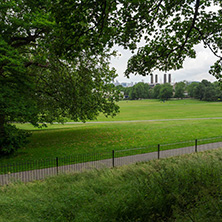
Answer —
185 188
64 140
173 109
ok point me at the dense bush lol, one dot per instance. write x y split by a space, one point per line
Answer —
12 139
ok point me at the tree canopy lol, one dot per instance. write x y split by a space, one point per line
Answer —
205 90
179 90
46 73
54 54
166 91
171 29
139 91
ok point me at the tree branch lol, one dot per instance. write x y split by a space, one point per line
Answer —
206 43
37 64
181 48
18 41
192 25
102 20
157 10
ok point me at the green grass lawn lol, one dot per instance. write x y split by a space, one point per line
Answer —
65 140
172 109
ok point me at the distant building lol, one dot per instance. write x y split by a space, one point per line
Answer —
124 84
189 82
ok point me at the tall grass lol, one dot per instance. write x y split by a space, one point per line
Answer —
186 188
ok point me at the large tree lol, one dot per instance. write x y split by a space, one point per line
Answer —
179 90
169 29
139 91
166 91
52 66
48 46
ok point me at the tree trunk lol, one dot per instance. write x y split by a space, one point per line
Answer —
2 129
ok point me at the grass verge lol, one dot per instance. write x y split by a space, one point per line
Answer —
186 188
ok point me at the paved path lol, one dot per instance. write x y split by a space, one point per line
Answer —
137 121
39 174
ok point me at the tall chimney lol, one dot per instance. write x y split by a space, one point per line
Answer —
169 78
164 78
156 78
151 78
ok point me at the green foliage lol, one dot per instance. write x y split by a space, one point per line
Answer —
156 91
140 90
42 42
171 30
13 139
191 88
205 90
175 189
179 90
144 91
163 92
166 91
42 77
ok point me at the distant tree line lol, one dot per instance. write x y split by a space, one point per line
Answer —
203 90
144 91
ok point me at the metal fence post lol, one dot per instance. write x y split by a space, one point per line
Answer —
158 152
57 165
113 157
195 145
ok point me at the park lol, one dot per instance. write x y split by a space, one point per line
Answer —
59 107
140 123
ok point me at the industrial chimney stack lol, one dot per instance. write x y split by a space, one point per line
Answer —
169 78
164 78
151 78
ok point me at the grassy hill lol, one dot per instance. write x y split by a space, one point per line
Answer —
185 188
70 139
152 109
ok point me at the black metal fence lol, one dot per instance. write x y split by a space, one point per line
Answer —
39 169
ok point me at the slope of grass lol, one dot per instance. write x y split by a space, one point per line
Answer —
186 188
97 138
71 139
154 109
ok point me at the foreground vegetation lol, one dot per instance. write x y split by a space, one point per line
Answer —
185 188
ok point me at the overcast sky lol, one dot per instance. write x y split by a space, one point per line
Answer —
194 69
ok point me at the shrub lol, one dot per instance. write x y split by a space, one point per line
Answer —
12 140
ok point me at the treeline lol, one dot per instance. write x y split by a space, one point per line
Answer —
204 90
